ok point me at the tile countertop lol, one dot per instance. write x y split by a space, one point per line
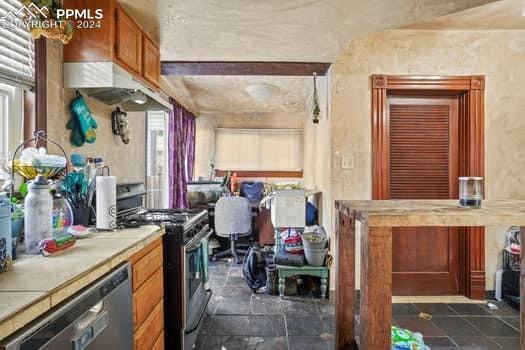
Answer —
39 283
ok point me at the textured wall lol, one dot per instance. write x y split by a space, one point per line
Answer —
127 162
499 55
274 120
317 153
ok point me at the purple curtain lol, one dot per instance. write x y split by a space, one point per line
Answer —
181 153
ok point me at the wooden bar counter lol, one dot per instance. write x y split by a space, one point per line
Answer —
377 219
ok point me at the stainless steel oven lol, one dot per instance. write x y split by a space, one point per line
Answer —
196 296
185 270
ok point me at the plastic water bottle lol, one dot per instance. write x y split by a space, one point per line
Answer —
38 214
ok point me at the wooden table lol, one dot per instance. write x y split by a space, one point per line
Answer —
377 219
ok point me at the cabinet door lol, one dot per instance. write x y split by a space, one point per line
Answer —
129 42
150 61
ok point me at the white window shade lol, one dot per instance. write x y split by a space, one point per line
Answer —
17 52
259 149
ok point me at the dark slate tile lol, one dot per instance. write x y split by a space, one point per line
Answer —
217 281
254 326
304 326
455 326
310 343
404 310
245 343
205 325
513 321
327 307
265 305
469 309
329 324
502 310
200 342
234 291
439 343
233 306
493 327
299 307
508 343
236 272
236 282
418 324
437 309
475 343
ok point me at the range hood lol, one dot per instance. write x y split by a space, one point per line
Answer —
112 85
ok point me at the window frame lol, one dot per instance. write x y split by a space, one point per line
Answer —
165 178
11 118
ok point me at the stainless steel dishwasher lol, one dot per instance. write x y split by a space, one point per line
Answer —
98 317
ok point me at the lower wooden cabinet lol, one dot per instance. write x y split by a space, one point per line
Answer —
149 332
148 297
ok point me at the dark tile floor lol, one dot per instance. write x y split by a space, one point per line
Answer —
237 319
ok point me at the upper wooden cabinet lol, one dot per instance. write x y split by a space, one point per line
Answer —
150 61
116 37
128 44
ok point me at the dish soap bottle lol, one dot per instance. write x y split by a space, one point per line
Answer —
38 214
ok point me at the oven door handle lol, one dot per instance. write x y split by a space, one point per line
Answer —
208 235
194 247
197 238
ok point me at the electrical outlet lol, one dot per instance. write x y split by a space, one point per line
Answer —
347 162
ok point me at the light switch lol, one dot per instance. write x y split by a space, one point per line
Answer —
347 162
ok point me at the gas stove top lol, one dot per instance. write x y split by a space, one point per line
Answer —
169 218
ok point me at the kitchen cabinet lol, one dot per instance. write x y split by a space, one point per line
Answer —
148 297
150 61
116 37
128 44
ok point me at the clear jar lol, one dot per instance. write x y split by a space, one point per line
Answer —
470 191
62 216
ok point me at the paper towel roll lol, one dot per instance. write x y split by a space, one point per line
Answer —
106 202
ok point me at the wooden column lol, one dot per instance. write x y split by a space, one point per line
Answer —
376 287
345 289
522 291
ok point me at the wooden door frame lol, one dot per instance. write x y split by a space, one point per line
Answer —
471 92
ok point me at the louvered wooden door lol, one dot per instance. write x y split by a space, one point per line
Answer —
424 155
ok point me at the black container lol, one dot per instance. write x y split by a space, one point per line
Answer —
511 288
81 216
511 262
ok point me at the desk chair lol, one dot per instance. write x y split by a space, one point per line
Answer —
233 219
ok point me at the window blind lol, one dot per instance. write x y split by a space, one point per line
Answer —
259 149
17 51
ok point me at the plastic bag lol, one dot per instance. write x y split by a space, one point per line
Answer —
293 243
403 339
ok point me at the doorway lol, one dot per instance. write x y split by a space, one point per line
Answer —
427 131
424 164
